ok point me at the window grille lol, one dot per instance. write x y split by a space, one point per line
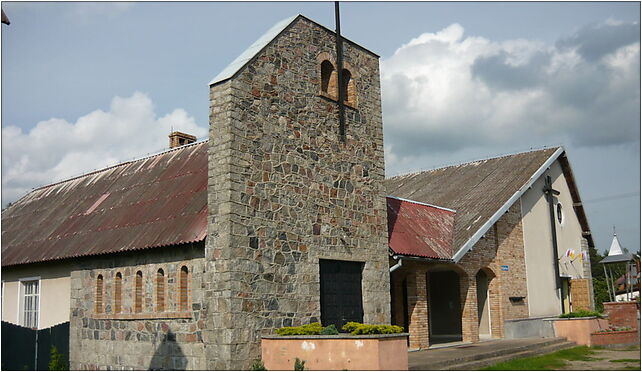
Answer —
138 293
99 294
183 288
118 293
160 290
30 303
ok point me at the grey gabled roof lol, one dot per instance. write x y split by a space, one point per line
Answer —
250 53
481 191
253 50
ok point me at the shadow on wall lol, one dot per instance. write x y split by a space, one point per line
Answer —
168 355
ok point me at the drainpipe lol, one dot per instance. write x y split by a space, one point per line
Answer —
397 265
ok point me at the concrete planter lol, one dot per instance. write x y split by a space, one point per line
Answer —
619 338
579 330
336 352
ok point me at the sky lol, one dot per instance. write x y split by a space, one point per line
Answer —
88 85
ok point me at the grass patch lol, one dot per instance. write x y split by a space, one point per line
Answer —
625 361
544 362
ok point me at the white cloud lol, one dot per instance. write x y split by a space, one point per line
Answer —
56 149
447 93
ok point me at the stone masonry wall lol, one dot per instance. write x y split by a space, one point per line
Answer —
171 339
285 191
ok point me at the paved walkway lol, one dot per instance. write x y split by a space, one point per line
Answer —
433 358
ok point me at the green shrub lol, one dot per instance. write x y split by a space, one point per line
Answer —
371 329
582 314
56 360
330 330
299 365
258 365
350 326
308 329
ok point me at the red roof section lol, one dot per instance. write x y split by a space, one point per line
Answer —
152 202
418 229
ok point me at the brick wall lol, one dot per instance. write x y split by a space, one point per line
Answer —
286 191
171 339
581 294
622 314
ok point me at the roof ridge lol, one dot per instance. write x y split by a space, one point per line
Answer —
421 203
153 155
493 157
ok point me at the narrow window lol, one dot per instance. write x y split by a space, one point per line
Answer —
560 213
99 294
183 287
30 303
349 88
326 74
138 293
160 290
118 293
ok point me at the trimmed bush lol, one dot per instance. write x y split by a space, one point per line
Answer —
329 330
582 314
371 329
258 365
299 365
308 329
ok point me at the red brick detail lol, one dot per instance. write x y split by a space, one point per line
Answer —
99 294
622 314
615 338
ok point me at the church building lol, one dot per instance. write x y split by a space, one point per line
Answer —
283 217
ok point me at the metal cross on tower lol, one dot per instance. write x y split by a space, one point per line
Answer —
342 93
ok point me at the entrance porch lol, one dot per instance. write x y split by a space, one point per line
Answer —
440 303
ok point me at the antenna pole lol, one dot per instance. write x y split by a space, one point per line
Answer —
342 93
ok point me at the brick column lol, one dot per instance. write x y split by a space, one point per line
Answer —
469 317
580 294
495 302
622 314
417 310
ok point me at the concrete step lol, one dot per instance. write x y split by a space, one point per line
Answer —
462 356
477 364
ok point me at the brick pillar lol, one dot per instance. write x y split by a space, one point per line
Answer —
417 310
622 314
495 302
580 294
469 320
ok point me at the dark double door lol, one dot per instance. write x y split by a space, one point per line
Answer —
341 299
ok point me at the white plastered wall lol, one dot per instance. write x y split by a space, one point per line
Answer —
543 297
54 292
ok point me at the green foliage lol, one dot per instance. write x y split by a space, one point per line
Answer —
299 365
308 329
546 362
350 327
582 314
371 329
258 365
330 330
625 361
57 360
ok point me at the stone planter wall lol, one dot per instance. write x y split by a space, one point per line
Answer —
340 352
615 338
579 330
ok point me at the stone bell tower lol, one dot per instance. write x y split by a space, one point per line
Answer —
292 201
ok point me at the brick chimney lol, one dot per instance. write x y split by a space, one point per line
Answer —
179 139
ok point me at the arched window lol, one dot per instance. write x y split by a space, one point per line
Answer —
138 293
183 289
160 290
99 294
118 293
349 88
328 74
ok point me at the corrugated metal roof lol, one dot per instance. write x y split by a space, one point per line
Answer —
417 229
152 202
476 190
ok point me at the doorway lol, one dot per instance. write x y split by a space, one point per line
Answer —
444 307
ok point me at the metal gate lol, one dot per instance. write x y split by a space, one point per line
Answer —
30 349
